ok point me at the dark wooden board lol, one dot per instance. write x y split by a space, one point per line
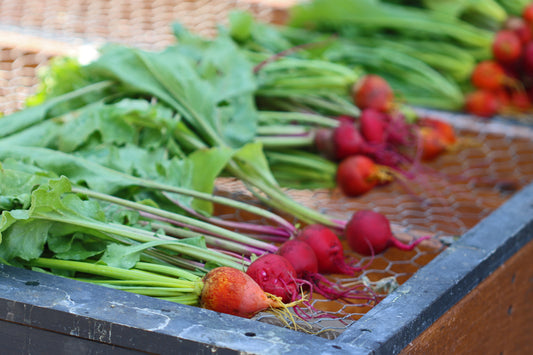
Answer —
494 318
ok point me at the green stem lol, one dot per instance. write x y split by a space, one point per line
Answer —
286 142
306 160
278 199
107 271
215 199
167 270
310 83
210 240
175 217
282 130
191 300
143 236
152 291
266 117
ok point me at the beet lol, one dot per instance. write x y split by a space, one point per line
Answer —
231 291
275 275
373 126
436 137
482 103
445 130
323 142
372 91
301 256
358 174
506 47
489 75
399 132
328 249
528 58
347 141
369 233
527 13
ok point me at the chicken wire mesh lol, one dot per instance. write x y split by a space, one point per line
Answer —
447 199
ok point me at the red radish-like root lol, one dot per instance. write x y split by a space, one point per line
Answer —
373 126
490 75
358 174
275 275
328 250
372 91
301 256
506 47
482 103
369 233
231 291
436 137
347 141
304 260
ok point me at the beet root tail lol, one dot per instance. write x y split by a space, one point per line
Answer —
402 246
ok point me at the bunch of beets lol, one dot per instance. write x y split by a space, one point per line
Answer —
381 144
503 84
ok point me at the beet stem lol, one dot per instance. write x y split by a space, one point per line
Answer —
402 246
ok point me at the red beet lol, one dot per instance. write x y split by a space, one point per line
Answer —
373 125
482 103
527 13
328 249
521 27
372 91
347 141
435 137
431 144
301 256
506 47
275 275
445 130
504 98
489 75
304 260
369 233
358 174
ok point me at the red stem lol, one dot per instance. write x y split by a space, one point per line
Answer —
402 246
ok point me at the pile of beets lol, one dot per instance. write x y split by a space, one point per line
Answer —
382 144
503 84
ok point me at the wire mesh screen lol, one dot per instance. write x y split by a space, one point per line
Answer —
448 198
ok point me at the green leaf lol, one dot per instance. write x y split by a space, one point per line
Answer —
123 256
24 240
16 185
25 118
126 256
74 246
198 87
198 172
78 170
